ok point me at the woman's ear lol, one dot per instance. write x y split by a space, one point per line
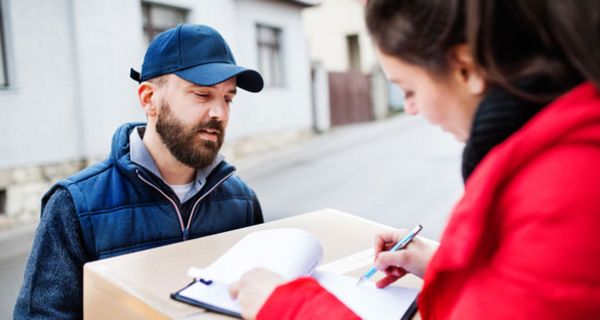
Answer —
147 98
465 71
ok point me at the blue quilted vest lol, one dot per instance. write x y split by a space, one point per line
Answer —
124 208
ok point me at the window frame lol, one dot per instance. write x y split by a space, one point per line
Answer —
149 29
5 74
277 78
3 201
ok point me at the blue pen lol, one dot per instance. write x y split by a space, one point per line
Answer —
398 246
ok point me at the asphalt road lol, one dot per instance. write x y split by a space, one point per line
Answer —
400 172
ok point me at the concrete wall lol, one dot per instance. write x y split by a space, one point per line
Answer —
70 62
38 111
328 44
329 47
275 109
108 41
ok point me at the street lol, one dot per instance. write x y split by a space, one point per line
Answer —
400 172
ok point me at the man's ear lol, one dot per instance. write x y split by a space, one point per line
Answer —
147 95
465 71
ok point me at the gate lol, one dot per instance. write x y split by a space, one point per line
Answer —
350 98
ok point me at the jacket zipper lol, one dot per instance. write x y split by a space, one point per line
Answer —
168 198
185 229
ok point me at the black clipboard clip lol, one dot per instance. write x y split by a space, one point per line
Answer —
205 282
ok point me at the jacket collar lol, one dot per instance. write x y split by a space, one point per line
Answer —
572 118
140 155
132 158
501 114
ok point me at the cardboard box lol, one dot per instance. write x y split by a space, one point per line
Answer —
138 285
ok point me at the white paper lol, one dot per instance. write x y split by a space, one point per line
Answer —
293 253
289 252
366 300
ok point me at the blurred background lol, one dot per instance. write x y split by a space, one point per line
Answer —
327 131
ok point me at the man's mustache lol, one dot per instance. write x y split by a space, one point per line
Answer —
210 124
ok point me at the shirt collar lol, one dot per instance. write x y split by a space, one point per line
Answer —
140 155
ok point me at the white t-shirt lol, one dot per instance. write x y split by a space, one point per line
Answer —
181 189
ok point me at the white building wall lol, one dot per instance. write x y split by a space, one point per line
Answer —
327 26
109 40
275 109
219 14
70 63
37 111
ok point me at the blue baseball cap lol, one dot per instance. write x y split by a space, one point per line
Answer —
198 54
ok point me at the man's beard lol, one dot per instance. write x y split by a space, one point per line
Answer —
183 143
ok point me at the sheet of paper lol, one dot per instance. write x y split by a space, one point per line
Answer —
293 253
366 300
216 294
289 252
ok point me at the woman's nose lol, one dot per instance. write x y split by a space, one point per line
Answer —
410 108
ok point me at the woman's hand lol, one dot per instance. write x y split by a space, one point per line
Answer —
253 289
414 258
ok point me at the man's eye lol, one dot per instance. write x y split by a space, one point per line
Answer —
201 95
408 94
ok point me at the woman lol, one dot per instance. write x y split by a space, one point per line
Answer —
518 81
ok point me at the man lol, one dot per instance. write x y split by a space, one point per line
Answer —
163 182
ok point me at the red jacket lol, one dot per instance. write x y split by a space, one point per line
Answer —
522 243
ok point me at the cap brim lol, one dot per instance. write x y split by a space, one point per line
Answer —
212 73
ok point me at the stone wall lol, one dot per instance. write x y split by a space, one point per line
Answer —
24 187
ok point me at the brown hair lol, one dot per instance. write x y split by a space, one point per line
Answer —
511 40
516 39
420 32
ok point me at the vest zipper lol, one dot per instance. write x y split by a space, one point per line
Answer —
170 200
187 228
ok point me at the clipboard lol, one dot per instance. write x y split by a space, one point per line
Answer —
408 315
204 305
210 288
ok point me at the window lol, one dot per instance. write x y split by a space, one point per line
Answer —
270 59
159 17
3 71
353 52
2 201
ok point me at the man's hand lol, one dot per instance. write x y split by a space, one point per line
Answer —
253 289
414 258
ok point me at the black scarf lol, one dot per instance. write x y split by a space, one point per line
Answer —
500 114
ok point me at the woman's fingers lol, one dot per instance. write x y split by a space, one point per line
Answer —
399 259
386 281
384 241
234 289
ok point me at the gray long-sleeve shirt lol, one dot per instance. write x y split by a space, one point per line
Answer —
52 288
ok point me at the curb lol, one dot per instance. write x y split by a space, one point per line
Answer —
16 241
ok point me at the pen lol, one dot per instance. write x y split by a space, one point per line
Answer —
398 246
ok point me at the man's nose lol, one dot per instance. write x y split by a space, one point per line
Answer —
218 109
